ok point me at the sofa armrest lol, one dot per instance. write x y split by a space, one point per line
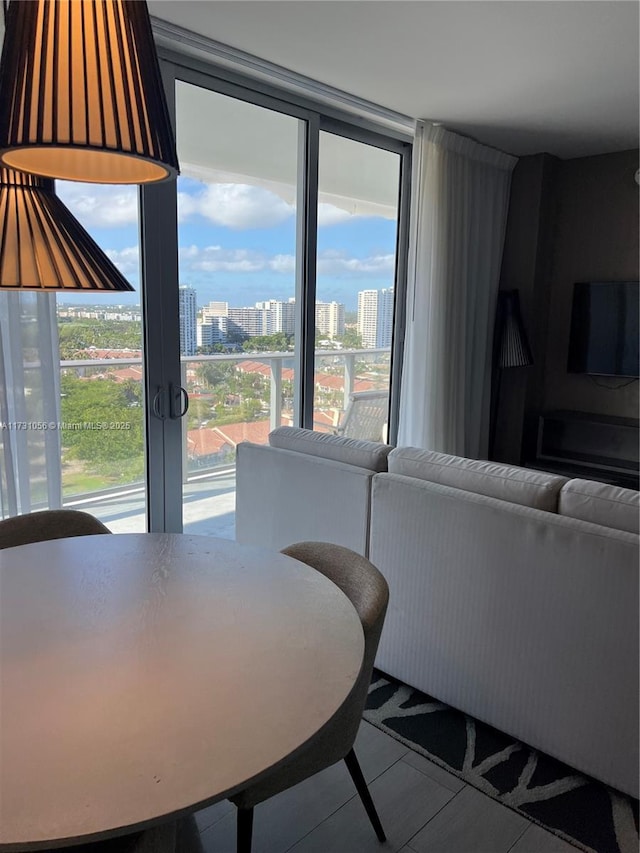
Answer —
284 497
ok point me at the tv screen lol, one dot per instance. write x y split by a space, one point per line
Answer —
604 329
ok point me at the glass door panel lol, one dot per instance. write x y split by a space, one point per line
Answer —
237 272
358 191
71 369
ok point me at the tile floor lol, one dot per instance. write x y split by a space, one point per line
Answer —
423 809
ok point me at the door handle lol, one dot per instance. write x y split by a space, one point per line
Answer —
157 406
178 402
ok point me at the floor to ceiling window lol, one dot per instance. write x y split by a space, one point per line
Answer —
72 403
287 237
237 228
255 273
358 192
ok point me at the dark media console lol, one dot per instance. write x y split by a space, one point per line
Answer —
596 447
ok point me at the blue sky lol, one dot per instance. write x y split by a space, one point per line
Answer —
237 242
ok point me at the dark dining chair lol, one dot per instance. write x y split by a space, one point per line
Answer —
48 524
367 590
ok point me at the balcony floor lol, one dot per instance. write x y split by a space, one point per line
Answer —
209 507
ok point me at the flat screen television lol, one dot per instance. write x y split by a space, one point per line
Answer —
604 328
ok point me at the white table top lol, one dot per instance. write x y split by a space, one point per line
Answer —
145 675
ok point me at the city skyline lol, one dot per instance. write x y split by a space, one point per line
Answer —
237 242
217 322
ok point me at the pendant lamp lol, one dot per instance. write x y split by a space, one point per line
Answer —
81 96
43 246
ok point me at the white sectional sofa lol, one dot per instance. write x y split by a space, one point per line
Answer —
306 485
513 593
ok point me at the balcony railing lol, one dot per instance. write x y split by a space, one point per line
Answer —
207 475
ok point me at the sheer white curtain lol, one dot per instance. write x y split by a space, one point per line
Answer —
30 473
459 208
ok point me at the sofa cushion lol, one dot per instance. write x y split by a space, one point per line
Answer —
505 482
611 506
364 454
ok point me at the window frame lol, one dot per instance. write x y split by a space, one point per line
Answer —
159 251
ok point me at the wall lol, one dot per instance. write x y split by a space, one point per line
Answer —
526 267
571 220
596 239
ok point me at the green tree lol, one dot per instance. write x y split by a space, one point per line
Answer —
103 418
78 335
351 339
279 342
214 373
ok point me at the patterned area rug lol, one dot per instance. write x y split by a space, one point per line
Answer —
584 812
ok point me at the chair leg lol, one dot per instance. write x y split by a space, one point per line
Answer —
361 786
244 831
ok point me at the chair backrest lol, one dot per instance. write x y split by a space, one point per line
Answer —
367 590
48 524
365 416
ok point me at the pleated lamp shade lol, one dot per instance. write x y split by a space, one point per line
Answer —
43 246
514 346
81 97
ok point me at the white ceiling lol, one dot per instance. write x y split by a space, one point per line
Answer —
525 76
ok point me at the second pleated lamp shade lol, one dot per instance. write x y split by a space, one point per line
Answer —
43 245
82 97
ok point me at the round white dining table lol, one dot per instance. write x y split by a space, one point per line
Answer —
144 676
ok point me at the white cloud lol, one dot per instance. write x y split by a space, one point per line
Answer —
283 263
329 214
237 206
215 258
218 259
331 262
101 205
127 260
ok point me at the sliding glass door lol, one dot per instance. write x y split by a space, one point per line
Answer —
239 304
265 282
278 291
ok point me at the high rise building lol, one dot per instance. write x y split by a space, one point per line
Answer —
284 316
212 331
248 322
375 318
279 316
215 309
213 324
330 318
188 334
385 318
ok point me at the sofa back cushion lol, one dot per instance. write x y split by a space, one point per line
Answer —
505 482
364 454
599 503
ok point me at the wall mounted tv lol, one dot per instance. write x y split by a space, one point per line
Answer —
604 328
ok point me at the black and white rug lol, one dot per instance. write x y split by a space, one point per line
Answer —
579 809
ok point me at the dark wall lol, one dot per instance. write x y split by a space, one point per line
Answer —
571 220
596 240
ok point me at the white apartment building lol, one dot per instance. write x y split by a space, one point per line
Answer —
248 322
188 313
280 316
215 309
218 320
284 316
212 331
375 317
330 318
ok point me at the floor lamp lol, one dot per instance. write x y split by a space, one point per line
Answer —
511 349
